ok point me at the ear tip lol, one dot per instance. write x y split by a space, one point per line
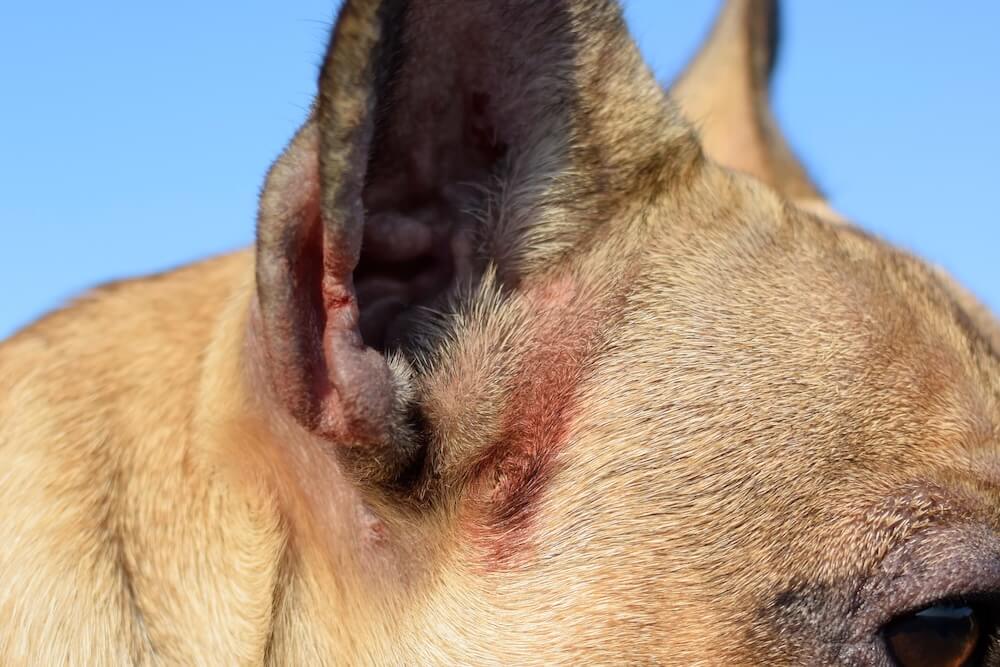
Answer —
758 25
770 18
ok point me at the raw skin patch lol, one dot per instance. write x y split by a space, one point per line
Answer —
512 474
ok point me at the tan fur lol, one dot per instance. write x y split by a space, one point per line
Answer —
765 410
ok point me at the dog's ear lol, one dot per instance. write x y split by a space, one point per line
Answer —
448 135
725 92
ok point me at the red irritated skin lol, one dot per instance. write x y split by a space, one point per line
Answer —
566 328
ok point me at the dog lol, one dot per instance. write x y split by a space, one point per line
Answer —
532 363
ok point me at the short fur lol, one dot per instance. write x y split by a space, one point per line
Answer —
524 369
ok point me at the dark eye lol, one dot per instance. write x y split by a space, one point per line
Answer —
943 635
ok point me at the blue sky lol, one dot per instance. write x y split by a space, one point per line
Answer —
134 136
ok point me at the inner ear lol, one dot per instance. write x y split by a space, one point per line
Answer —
417 245
460 102
486 112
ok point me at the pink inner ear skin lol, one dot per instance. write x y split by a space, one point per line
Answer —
511 476
359 397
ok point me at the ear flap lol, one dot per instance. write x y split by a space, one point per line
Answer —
307 318
724 92
448 135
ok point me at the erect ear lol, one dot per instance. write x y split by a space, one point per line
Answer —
725 92
447 135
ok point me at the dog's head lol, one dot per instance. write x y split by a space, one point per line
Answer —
602 381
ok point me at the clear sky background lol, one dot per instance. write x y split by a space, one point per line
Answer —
134 136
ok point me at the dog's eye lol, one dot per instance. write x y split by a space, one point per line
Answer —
942 635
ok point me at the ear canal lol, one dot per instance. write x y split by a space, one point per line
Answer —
725 92
448 136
